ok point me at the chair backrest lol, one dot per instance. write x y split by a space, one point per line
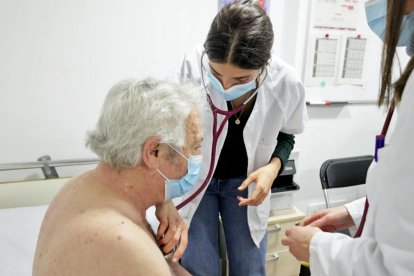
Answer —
344 172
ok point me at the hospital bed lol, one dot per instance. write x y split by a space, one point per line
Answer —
22 207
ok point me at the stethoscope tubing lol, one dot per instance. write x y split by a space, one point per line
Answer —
216 133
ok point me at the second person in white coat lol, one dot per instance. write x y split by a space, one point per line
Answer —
387 241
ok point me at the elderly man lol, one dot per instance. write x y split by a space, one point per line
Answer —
148 138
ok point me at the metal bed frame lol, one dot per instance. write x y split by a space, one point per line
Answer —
47 165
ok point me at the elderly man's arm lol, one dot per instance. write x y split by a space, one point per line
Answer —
172 230
177 270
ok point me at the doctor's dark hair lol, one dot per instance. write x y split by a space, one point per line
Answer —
135 110
241 34
391 93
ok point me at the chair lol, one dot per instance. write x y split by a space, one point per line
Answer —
343 172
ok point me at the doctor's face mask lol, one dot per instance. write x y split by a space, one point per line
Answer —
178 187
233 92
376 11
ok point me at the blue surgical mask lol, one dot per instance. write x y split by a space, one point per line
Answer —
376 11
233 92
178 187
410 46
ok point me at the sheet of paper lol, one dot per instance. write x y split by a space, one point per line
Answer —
354 58
325 57
336 14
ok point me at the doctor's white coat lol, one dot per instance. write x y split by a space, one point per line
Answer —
280 106
386 246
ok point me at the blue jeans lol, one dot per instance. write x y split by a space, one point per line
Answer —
202 254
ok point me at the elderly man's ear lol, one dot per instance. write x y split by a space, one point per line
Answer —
150 152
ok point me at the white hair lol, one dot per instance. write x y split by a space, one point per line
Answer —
135 110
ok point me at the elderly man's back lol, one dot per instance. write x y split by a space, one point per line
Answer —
84 234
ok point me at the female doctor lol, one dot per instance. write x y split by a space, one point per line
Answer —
263 99
387 241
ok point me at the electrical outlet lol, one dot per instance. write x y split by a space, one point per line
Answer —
313 207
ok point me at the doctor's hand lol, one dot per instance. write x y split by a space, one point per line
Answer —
298 239
172 230
330 220
263 177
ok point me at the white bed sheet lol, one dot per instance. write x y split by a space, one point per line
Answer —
19 230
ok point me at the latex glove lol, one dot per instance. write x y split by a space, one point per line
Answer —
298 239
330 220
172 230
263 177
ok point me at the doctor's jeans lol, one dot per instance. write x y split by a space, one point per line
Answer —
202 254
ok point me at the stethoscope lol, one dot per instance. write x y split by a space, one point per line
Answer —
216 131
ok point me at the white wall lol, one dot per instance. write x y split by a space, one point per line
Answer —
59 58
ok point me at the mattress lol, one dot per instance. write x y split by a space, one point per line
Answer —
19 229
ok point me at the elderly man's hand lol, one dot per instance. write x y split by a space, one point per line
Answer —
172 230
298 239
